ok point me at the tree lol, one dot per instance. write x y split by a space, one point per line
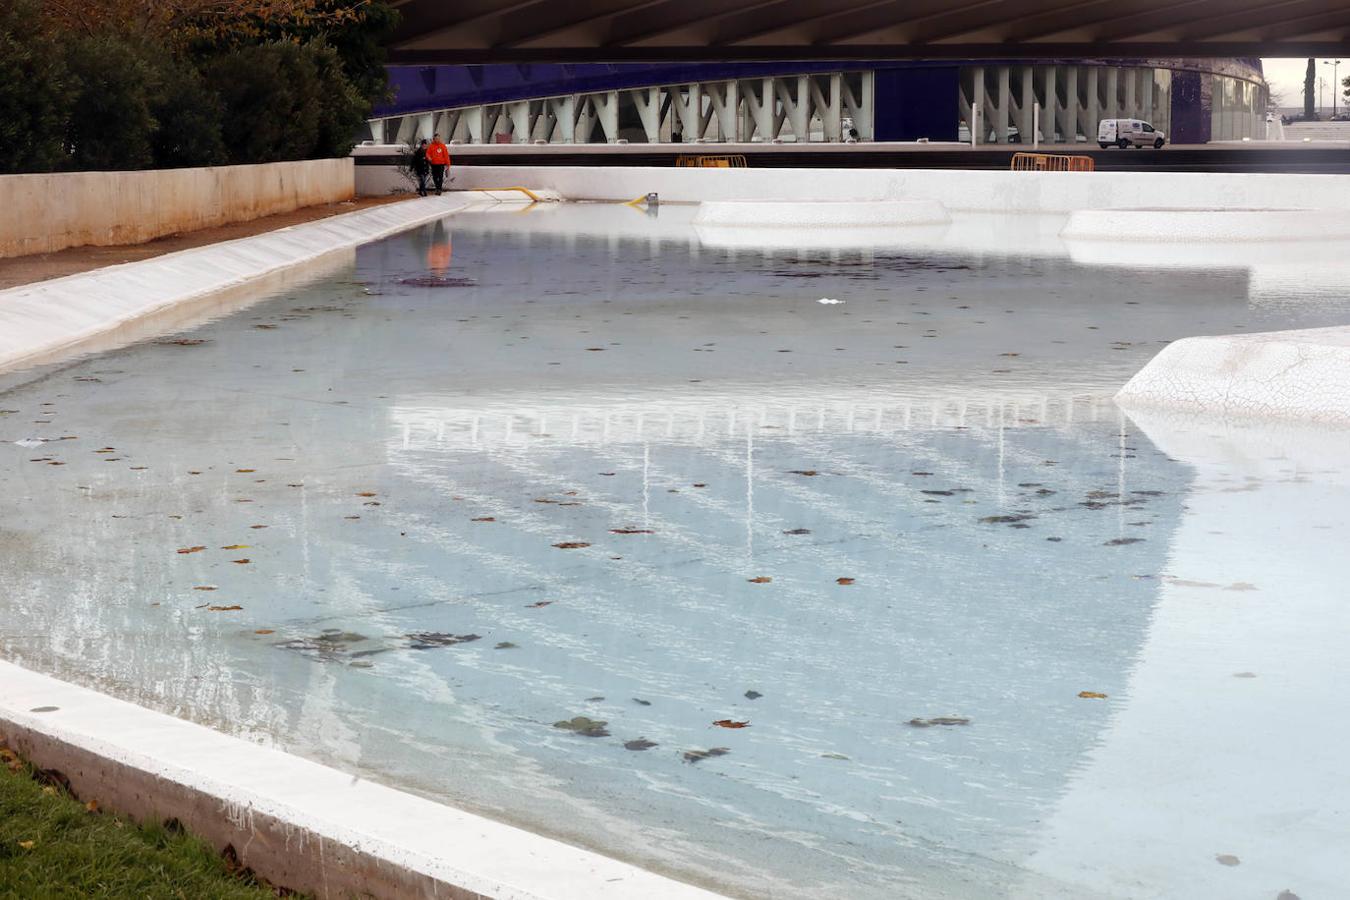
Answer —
1309 90
111 123
34 94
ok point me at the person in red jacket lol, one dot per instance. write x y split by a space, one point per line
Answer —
439 156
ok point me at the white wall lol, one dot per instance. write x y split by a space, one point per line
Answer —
957 189
49 212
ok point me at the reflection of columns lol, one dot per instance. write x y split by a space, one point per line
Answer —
749 491
646 483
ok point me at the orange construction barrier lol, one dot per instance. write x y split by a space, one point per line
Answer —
1047 162
711 162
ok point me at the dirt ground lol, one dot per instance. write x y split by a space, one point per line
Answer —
42 266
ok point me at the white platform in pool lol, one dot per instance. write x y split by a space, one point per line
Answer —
600 473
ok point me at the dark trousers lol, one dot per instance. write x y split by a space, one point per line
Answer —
421 181
438 177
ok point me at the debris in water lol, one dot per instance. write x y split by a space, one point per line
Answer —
571 545
1091 695
843 581
191 549
940 720
760 579
798 531
1227 859
828 301
426 640
1120 542
693 756
505 645
639 744
584 726
753 695
730 723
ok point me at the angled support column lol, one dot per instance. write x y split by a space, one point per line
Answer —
648 103
1026 105
688 104
565 111
724 104
830 107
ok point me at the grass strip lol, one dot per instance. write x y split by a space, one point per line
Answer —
53 845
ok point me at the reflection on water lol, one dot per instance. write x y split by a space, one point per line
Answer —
632 541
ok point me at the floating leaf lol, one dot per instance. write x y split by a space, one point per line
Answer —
798 531
571 545
760 579
1006 520
939 720
191 549
1091 695
265 631
241 562
843 581
640 702
256 527
235 547
366 494
729 723
505 645
631 531
639 744
753 695
584 726
833 756
484 519
539 605
1227 859
809 473
1120 542
204 587
230 608
242 471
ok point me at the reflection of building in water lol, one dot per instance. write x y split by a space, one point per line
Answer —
1227 738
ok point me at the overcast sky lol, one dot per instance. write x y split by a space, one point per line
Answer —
1286 77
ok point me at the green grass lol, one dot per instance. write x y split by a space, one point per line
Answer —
77 853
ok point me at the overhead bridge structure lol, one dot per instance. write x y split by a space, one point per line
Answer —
494 31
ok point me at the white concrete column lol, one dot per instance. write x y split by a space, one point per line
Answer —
979 105
565 111
867 127
1051 117
1094 106
1112 94
585 118
830 107
519 115
1132 93
1027 106
648 102
1004 103
1068 120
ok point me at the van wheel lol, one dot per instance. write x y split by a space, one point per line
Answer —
1158 144
1123 143
1103 144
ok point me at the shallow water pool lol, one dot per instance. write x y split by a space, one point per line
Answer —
602 526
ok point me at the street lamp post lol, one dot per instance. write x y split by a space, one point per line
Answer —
1321 96
1335 82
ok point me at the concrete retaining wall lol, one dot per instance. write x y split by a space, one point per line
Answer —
958 190
45 213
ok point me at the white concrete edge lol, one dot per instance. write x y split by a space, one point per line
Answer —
253 788
1298 375
814 214
42 320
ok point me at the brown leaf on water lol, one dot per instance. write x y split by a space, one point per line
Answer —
244 471
230 608
938 720
571 545
242 562
235 547
631 531
351 517
365 494
700 484
807 472
843 581
191 549
256 527
204 587
183 342
265 631
539 605
760 579
1091 695
729 723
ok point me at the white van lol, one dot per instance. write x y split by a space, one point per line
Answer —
1129 133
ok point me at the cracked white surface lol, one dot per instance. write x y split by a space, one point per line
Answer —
1280 374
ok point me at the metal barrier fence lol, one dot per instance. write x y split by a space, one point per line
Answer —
711 162
1049 162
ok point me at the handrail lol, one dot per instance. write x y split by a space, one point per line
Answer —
731 161
1048 162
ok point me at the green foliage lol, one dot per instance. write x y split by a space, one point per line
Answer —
199 89
34 98
51 845
111 122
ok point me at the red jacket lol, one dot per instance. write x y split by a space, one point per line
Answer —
438 154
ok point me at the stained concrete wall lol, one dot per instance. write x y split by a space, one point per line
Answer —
45 213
